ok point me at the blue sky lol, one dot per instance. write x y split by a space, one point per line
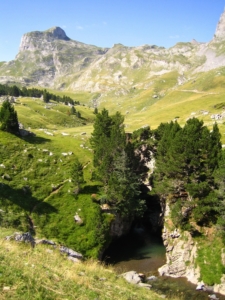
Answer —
105 22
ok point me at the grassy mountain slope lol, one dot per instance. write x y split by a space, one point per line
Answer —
38 188
42 273
36 194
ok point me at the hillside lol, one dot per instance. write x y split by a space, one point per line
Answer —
39 190
148 85
44 273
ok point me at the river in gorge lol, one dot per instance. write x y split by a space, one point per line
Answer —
144 252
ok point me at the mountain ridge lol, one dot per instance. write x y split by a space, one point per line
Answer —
51 59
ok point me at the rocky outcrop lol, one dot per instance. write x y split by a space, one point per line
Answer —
44 59
135 278
28 238
50 58
181 252
29 41
220 29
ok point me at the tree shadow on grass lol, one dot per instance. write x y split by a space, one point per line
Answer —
22 198
90 189
35 139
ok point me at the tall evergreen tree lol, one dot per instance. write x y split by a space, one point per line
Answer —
77 175
46 96
8 118
73 110
112 160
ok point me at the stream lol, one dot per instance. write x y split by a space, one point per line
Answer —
144 253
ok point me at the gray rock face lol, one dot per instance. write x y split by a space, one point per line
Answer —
44 59
45 242
58 33
135 278
70 252
179 251
220 29
24 237
51 59
132 277
30 40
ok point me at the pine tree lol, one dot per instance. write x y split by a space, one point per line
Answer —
77 175
100 136
219 176
73 110
46 96
78 114
185 161
8 118
124 188
113 160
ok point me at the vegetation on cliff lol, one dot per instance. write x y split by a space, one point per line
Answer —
186 159
117 165
47 180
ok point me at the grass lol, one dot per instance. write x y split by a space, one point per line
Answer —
209 260
39 188
43 273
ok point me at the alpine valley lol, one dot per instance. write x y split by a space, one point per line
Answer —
111 141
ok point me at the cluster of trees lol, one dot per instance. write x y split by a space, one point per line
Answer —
189 169
117 164
6 90
75 112
187 160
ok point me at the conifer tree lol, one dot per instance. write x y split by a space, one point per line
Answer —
73 110
78 114
8 118
77 175
46 96
114 168
185 161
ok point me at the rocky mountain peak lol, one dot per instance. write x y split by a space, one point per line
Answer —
36 40
57 33
220 29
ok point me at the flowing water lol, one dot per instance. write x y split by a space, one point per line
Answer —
145 253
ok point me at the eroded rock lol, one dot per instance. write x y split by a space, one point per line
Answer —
70 252
132 277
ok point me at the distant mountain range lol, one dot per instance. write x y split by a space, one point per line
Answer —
51 59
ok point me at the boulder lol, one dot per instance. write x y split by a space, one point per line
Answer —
70 252
74 259
6 177
45 242
24 237
213 296
132 277
200 286
78 219
151 278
